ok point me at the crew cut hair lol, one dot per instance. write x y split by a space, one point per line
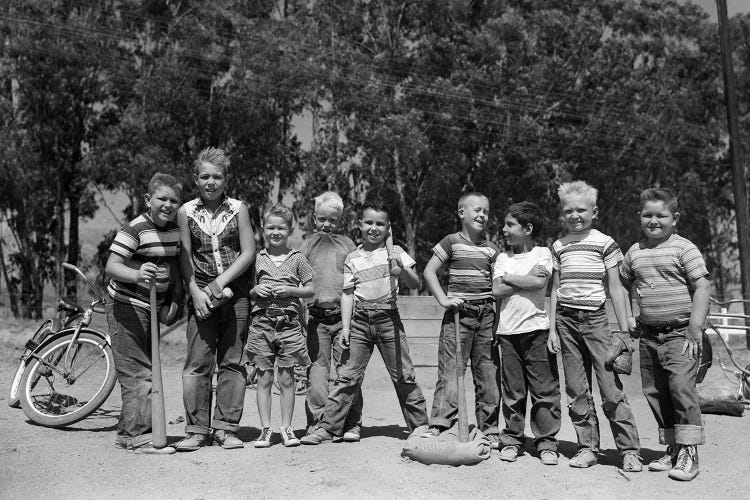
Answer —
329 199
661 194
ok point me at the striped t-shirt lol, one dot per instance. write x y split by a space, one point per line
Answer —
369 274
663 278
582 260
142 241
469 266
293 271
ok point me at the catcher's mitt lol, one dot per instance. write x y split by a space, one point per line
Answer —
619 356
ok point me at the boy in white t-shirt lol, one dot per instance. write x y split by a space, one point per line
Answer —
519 283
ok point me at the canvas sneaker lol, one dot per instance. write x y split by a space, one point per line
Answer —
494 440
509 453
287 437
227 440
318 436
548 457
584 459
665 462
352 435
632 462
686 466
264 440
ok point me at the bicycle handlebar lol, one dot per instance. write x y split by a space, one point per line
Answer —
728 302
94 291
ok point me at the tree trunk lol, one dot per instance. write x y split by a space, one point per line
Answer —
71 290
11 285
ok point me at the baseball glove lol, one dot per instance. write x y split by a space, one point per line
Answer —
619 356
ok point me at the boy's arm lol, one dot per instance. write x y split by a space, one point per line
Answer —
126 271
534 280
617 294
304 291
347 304
501 289
698 315
433 284
201 301
553 342
410 277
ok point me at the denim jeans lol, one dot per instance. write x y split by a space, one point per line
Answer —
218 339
368 329
585 338
475 323
322 342
129 329
668 379
529 368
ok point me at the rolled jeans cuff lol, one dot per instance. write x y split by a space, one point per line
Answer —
686 434
198 429
141 440
666 436
225 426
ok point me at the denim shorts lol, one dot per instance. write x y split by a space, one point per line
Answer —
276 341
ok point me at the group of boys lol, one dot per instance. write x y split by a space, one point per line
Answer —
352 308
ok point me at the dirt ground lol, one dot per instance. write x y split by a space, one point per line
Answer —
82 462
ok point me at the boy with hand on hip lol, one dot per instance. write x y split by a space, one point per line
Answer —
583 259
519 283
326 251
370 318
672 290
143 254
469 257
282 277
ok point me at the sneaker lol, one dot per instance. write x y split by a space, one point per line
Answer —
509 453
665 462
122 443
632 462
191 442
352 435
264 440
227 440
288 437
318 436
686 466
548 457
148 449
301 387
431 432
494 440
583 459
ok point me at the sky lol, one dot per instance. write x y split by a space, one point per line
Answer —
733 6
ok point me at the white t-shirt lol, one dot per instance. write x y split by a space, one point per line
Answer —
523 311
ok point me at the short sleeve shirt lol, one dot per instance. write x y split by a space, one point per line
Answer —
523 311
294 271
662 277
326 253
369 275
582 260
142 241
469 266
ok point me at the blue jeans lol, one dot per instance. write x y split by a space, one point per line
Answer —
529 368
475 323
130 331
322 342
368 329
585 338
218 339
668 379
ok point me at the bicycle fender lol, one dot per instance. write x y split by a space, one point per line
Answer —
67 332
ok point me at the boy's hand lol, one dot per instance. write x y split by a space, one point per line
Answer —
202 304
692 342
553 342
495 339
538 271
264 290
282 291
453 303
147 272
344 339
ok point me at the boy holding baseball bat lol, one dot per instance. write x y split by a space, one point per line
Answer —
143 254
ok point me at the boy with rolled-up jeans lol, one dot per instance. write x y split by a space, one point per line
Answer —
579 325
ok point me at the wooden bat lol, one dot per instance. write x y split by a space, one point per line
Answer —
158 415
392 259
463 417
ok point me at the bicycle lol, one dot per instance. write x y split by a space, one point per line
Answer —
67 369
719 320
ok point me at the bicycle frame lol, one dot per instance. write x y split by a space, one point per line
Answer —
742 374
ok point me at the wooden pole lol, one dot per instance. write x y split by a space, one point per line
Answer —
739 184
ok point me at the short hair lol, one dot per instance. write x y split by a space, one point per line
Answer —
279 210
469 194
377 205
159 179
212 156
581 188
331 200
661 194
525 213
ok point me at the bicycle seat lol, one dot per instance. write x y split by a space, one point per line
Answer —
68 307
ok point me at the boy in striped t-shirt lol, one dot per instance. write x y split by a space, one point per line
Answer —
469 257
582 260
672 290
142 254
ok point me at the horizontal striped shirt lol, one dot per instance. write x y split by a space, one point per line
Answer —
662 277
369 275
293 271
142 241
469 266
582 260
214 237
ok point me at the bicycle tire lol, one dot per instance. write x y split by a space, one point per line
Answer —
45 330
93 359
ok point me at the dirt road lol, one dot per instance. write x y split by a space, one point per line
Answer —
82 462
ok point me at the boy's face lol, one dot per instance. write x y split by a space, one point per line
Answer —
514 232
163 204
211 181
578 213
474 213
327 219
276 231
374 226
657 221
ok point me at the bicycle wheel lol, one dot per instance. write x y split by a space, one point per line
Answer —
60 387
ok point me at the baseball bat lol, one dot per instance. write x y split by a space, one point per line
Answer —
463 417
158 415
392 259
